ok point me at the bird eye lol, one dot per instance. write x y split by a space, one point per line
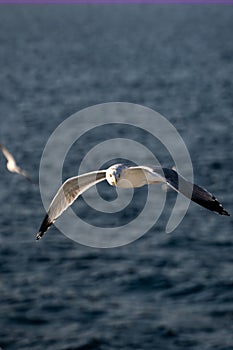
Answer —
110 175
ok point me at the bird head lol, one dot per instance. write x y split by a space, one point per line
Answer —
114 173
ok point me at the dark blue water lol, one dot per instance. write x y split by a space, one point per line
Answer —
163 291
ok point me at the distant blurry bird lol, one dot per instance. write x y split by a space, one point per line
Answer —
11 163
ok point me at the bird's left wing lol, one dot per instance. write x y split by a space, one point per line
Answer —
67 194
174 180
7 154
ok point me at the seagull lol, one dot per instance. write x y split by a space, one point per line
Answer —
11 163
123 176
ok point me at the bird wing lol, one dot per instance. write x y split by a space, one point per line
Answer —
67 194
23 173
174 180
7 154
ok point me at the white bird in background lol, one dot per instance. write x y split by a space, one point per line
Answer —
11 163
123 176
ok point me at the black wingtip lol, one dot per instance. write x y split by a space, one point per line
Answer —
217 206
39 235
224 212
30 180
44 227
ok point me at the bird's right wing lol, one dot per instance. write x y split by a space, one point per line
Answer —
22 172
67 194
177 182
196 193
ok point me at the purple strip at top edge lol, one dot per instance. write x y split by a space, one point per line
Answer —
116 2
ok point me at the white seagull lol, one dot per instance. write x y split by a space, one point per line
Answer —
121 175
11 163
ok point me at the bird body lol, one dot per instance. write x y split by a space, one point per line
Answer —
122 176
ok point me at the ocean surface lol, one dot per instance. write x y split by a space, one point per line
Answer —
163 291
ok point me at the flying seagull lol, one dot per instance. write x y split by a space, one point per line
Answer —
121 175
11 163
